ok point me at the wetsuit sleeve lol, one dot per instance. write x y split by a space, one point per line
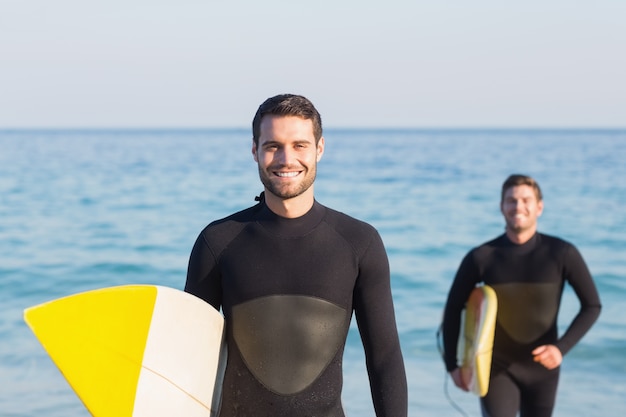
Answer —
578 276
465 280
375 317
203 278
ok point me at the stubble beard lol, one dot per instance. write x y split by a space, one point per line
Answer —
518 227
286 192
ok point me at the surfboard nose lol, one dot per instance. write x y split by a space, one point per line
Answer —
134 350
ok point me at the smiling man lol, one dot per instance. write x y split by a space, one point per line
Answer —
287 151
288 273
528 271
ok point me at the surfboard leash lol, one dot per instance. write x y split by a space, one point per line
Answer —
449 398
446 375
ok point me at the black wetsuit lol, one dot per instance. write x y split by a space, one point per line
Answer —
287 288
528 280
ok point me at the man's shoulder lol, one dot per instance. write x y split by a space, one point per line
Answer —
496 242
552 239
228 227
241 216
556 243
343 221
359 234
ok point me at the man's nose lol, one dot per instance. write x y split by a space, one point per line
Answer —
285 156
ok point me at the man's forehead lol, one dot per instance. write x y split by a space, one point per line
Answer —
520 190
293 128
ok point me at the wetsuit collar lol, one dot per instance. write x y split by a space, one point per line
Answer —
295 227
524 247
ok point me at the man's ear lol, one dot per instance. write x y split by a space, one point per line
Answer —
254 155
320 148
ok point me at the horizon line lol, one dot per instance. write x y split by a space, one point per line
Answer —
326 128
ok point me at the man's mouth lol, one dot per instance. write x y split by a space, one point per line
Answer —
519 217
289 174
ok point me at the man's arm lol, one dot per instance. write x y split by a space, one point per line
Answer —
375 317
202 275
464 282
577 274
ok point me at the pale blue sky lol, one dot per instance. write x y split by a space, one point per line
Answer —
392 63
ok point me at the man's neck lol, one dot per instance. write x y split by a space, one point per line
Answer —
290 208
519 238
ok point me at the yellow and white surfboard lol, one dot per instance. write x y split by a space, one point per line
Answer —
136 350
476 345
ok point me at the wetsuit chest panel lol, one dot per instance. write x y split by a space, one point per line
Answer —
288 341
526 311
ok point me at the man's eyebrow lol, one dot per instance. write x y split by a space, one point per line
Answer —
295 142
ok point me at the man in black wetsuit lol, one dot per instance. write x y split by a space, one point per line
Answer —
287 274
528 271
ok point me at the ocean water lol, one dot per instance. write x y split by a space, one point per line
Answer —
81 210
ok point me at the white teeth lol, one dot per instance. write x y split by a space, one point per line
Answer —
287 174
